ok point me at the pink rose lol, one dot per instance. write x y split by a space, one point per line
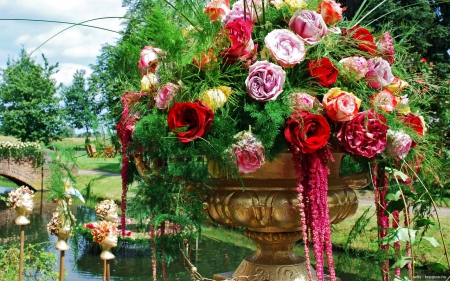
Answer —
217 9
265 81
249 152
384 100
331 11
285 47
357 65
379 74
340 105
303 101
309 25
365 134
386 47
398 143
149 59
240 38
165 95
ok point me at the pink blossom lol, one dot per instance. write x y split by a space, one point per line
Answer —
90 225
285 47
357 65
249 152
384 100
165 95
379 74
304 101
265 81
398 143
254 10
386 47
309 25
149 59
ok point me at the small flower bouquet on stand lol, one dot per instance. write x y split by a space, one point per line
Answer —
237 85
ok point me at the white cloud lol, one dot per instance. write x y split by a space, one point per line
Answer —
66 71
74 48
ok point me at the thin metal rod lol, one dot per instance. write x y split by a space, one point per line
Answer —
22 243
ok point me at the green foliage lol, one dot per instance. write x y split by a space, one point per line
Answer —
80 103
22 150
30 109
38 263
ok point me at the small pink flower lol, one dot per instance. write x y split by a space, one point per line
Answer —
149 59
285 47
165 95
384 100
249 152
253 9
340 105
309 25
265 81
386 47
304 101
357 65
398 143
379 74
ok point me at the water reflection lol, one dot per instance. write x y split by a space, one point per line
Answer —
213 256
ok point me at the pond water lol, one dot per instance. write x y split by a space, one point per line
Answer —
211 257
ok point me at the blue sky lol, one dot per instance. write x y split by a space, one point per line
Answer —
75 48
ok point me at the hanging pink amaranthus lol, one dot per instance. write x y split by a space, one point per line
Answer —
125 129
312 186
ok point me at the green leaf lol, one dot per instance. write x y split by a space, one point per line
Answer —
400 263
432 240
397 173
403 234
436 266
424 222
391 197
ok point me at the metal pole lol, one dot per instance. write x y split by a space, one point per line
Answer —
61 266
22 242
104 270
108 268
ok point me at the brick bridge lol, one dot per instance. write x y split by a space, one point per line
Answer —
24 172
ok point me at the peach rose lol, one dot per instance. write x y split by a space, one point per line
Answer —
340 105
331 11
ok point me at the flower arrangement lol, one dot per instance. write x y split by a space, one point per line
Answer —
102 229
239 84
106 209
16 195
57 224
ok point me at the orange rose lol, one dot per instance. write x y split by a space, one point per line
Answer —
340 105
331 11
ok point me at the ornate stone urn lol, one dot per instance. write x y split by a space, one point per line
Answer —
267 207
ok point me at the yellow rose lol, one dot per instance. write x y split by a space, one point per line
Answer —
148 82
216 98
397 85
296 4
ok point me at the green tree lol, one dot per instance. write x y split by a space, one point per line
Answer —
81 108
30 108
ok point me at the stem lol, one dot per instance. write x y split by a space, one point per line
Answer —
435 209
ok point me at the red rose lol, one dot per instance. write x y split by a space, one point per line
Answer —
365 134
324 71
307 131
363 39
189 120
240 38
414 122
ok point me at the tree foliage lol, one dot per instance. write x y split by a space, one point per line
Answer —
30 110
81 107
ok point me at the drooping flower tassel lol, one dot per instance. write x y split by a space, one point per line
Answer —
408 245
395 224
379 179
297 159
